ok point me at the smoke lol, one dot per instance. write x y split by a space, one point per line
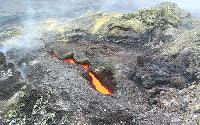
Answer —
32 12
67 8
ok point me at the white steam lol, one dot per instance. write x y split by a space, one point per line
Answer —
34 11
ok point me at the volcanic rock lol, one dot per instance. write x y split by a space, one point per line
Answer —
10 79
2 60
150 59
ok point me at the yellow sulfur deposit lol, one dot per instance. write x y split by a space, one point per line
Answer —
103 20
52 25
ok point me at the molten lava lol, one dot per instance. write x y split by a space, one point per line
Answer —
71 61
99 86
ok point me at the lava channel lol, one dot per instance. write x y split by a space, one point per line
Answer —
98 85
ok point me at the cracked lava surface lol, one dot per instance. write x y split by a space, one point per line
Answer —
98 85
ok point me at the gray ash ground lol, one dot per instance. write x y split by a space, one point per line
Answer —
69 98
150 88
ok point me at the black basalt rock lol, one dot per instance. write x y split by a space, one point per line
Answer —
10 79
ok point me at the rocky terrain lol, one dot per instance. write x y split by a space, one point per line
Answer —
149 59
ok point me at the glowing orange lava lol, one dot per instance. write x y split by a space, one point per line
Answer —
71 61
99 86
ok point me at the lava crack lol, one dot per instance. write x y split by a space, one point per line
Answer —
98 85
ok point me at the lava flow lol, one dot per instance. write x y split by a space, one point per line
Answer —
99 86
